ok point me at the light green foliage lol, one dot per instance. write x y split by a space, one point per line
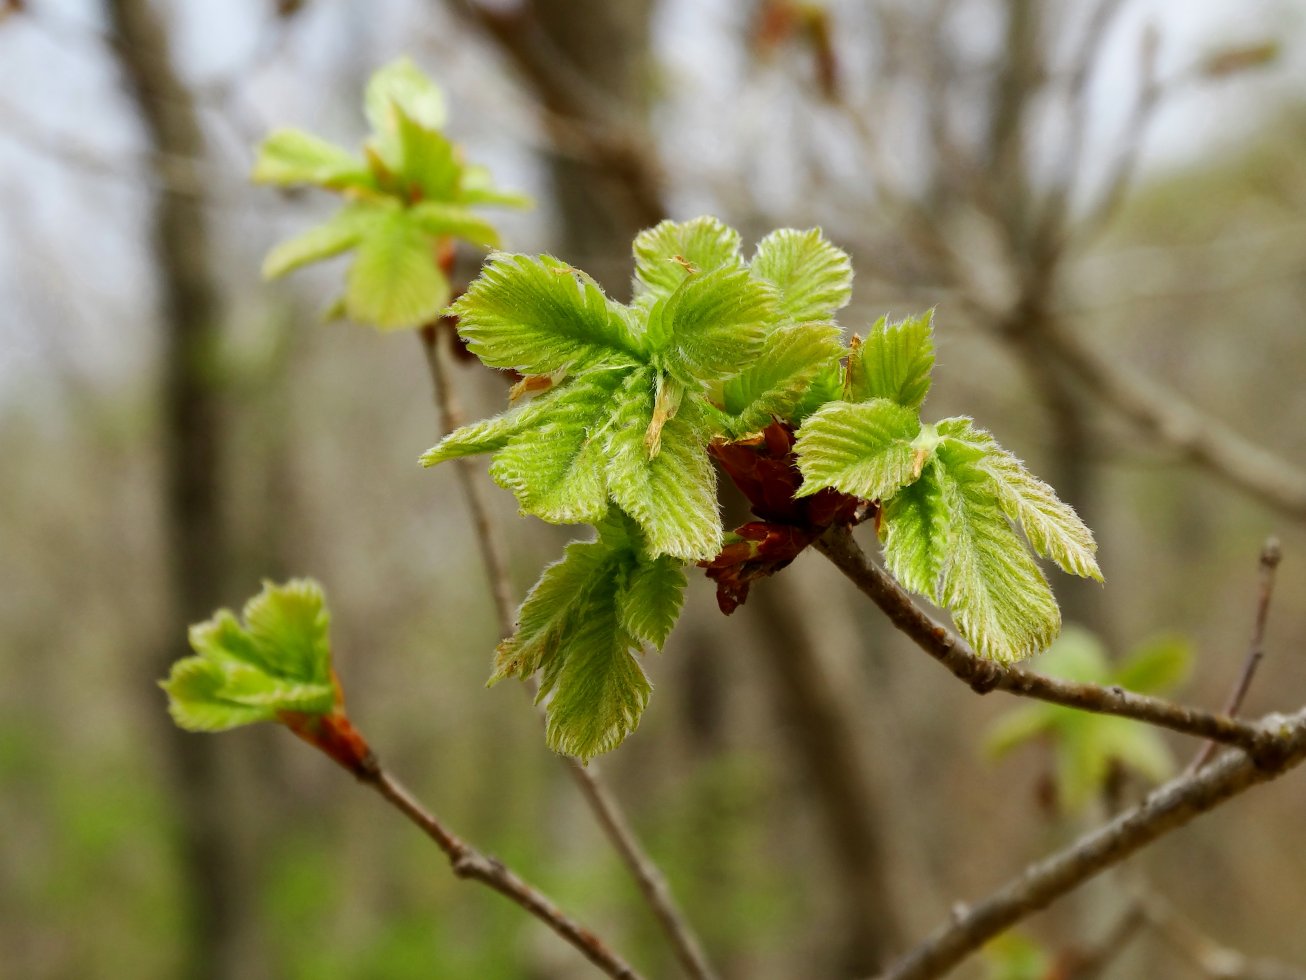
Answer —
277 660
630 414
1085 744
951 497
813 278
894 362
864 450
582 626
407 197
668 253
1014 956
715 347
539 315
785 374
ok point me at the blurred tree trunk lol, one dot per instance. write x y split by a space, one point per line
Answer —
196 540
600 55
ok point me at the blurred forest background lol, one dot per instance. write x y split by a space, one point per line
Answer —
1091 193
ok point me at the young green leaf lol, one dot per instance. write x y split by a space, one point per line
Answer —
436 218
1160 663
1052 527
487 436
279 660
339 233
914 524
780 379
814 279
477 188
997 595
538 316
1085 744
581 626
290 157
555 467
712 324
894 362
671 495
649 600
427 160
861 449
668 252
394 282
402 86
546 615
596 693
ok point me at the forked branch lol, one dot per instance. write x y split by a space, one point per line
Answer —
983 676
1166 809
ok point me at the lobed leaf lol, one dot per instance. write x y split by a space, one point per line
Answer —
401 88
781 377
671 495
394 282
439 219
290 157
710 326
997 595
894 362
581 625
670 251
339 233
596 692
477 188
813 278
1052 527
861 449
914 523
555 465
539 316
649 600
427 160
487 436
278 660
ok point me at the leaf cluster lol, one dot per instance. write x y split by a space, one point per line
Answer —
274 660
1087 745
407 193
951 498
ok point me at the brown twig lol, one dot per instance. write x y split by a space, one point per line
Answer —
1214 959
1271 555
467 862
1165 809
607 811
983 676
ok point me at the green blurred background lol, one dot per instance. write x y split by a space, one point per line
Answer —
172 431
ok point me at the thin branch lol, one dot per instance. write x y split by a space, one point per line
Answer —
1200 437
1165 809
1271 555
607 811
467 862
1214 959
983 676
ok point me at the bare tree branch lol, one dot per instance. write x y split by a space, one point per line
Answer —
1166 809
1271 555
983 676
467 862
1214 959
